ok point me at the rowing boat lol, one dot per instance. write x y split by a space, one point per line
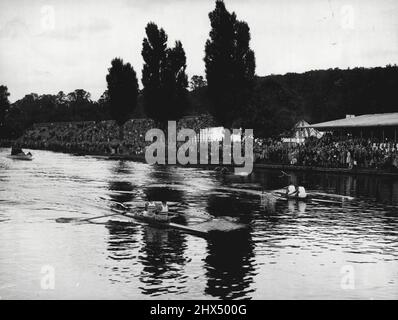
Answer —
309 198
155 219
202 229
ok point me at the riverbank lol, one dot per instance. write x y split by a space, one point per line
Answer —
353 171
280 167
256 166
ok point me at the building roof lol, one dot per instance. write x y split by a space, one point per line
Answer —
302 130
366 120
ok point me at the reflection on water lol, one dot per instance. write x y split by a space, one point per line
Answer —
290 250
230 272
163 258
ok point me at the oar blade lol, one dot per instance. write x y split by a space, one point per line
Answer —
66 220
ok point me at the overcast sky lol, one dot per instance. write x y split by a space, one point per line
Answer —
53 45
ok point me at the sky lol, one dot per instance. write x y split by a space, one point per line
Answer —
53 45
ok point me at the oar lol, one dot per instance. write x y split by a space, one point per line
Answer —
284 174
331 195
141 203
325 201
282 195
65 220
124 208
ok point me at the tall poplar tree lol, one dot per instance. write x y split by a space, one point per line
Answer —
230 65
163 76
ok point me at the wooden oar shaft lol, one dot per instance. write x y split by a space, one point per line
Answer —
103 216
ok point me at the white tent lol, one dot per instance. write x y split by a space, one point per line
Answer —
301 131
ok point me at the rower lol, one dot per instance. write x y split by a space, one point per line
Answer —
150 210
145 212
301 193
162 212
290 191
165 207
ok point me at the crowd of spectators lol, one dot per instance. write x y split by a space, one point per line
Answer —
331 152
102 138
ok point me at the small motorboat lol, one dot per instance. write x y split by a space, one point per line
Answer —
18 154
21 157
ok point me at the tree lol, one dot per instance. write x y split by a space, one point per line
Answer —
197 82
28 106
47 108
79 103
175 82
230 64
21 114
122 90
163 76
4 103
61 98
154 49
104 105
79 96
61 113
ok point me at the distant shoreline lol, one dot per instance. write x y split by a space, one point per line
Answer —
257 166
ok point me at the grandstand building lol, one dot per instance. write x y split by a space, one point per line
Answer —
381 126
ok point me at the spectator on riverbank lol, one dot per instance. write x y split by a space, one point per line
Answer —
101 138
330 152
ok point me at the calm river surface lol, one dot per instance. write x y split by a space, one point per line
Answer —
300 251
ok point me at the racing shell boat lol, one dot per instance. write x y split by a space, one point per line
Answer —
154 218
202 229
309 198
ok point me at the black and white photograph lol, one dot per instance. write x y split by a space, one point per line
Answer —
198 150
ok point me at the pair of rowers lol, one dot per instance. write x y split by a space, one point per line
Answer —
156 210
293 191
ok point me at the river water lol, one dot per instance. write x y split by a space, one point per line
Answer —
329 250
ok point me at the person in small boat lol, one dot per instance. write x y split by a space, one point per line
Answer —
17 151
163 212
149 211
301 193
296 192
224 170
165 207
291 191
156 210
145 208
